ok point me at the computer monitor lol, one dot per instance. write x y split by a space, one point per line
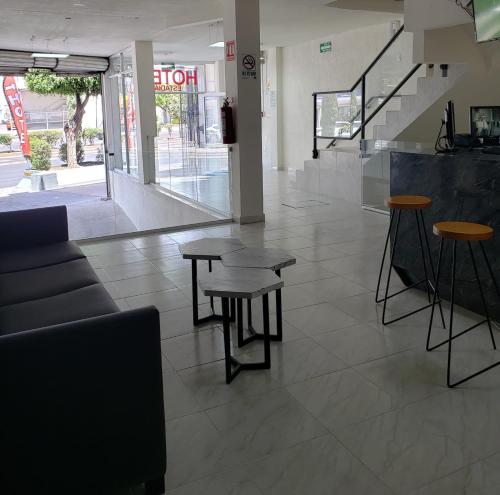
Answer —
487 19
485 122
449 119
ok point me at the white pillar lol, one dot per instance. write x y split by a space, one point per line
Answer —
242 25
145 108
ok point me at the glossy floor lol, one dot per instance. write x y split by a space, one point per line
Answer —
350 407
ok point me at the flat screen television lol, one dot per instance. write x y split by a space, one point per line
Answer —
485 122
487 19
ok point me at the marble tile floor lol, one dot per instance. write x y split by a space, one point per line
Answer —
350 407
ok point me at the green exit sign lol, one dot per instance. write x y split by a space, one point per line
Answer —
325 47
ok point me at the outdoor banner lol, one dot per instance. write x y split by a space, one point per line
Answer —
13 97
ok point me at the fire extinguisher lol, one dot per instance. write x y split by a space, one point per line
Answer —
228 131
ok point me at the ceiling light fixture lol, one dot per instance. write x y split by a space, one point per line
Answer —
50 55
217 44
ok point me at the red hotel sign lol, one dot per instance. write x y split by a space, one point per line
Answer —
175 80
13 97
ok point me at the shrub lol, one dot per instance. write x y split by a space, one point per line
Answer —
51 136
99 157
91 134
40 154
6 140
80 152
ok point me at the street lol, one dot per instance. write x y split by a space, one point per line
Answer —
12 167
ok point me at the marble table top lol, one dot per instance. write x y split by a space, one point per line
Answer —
269 258
210 248
242 283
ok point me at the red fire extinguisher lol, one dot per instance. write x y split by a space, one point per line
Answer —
228 131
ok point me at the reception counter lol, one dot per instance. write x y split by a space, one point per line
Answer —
463 186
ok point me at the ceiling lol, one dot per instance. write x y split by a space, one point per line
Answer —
179 28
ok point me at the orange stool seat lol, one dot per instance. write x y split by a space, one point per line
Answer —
408 202
463 231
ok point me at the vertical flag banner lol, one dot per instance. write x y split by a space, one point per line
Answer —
13 97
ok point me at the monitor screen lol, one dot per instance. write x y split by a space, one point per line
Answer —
487 18
485 121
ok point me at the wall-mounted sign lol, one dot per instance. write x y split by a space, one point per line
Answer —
326 47
230 50
173 79
249 67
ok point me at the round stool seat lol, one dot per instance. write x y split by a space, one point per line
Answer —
463 231
408 202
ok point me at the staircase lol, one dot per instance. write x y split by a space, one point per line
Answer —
389 96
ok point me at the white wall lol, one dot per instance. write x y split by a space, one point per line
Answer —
479 87
423 15
306 70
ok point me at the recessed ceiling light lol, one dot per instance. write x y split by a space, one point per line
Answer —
217 44
50 55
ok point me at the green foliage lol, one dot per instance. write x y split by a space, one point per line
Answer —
40 154
99 157
44 82
170 103
80 152
91 134
6 140
53 137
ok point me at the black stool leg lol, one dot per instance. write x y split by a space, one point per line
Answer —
434 279
452 306
377 300
422 251
485 307
390 267
440 258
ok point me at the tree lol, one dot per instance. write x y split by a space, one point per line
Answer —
169 103
78 90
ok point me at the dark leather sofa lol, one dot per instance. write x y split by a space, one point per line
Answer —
81 395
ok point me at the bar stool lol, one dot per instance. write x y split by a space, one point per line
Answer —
469 232
415 204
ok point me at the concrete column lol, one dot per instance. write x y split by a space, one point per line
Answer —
242 25
145 108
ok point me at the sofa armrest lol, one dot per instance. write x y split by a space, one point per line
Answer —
31 228
82 405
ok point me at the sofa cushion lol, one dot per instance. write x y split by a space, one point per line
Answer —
37 257
71 306
17 287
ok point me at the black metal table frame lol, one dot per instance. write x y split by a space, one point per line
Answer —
233 366
194 284
254 335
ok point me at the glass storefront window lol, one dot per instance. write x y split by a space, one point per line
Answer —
191 160
122 71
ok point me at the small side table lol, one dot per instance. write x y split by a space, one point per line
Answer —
238 283
266 259
209 249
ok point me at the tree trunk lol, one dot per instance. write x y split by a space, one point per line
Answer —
73 129
71 146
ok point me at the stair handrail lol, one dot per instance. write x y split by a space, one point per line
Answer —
362 80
